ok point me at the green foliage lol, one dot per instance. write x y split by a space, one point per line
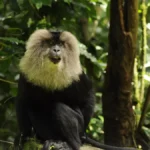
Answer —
39 3
19 18
143 66
32 144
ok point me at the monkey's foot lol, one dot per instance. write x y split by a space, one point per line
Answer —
53 145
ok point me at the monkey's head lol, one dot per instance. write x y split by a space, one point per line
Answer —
51 59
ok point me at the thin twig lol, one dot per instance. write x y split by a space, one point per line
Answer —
7 142
6 81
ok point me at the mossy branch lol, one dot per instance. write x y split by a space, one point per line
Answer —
143 48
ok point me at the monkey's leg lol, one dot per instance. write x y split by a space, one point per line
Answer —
70 123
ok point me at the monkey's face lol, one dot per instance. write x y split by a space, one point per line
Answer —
48 46
61 47
54 49
58 47
55 53
51 59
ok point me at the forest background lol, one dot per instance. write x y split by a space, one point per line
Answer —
88 20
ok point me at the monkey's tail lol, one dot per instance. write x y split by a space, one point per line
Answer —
94 143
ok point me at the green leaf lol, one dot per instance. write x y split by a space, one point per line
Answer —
23 4
4 65
21 15
88 55
68 1
12 40
39 3
1 4
13 90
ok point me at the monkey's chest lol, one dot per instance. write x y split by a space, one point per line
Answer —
46 101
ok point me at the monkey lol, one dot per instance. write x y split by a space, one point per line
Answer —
55 97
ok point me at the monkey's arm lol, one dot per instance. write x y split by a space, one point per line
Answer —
22 117
22 113
88 108
88 99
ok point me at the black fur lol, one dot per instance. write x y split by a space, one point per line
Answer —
61 115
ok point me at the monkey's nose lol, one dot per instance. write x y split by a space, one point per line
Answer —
56 50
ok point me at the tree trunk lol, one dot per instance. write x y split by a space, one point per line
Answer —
117 104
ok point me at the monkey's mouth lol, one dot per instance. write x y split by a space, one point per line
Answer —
55 60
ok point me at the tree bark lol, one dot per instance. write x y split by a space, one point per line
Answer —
117 103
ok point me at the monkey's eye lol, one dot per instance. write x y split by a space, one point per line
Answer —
51 42
62 43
